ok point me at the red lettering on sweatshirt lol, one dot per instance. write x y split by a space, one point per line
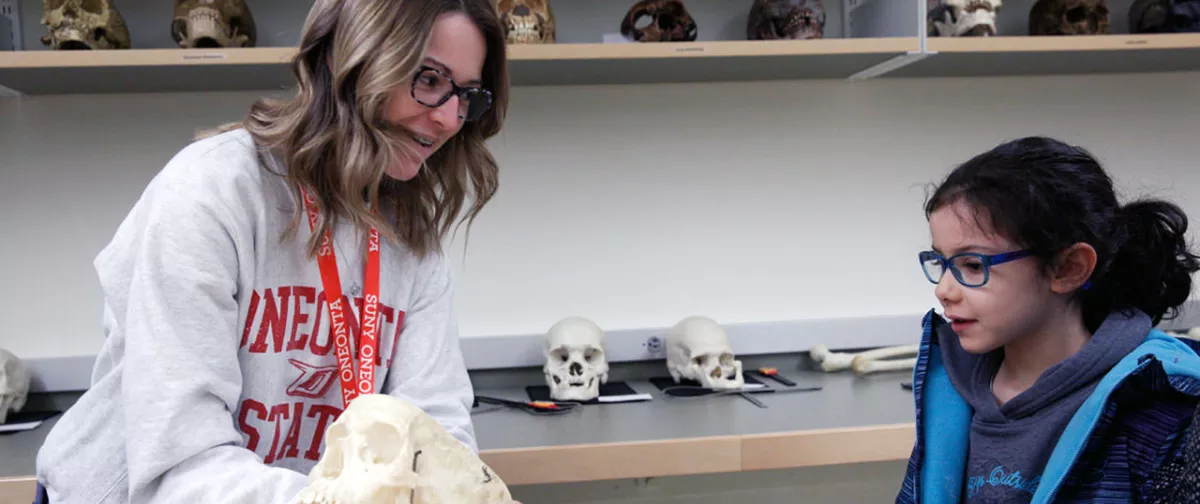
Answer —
288 319
285 422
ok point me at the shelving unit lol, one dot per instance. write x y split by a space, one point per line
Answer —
875 38
859 35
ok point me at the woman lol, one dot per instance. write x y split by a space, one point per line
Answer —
238 286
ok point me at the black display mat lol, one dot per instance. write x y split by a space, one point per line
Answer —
612 392
663 382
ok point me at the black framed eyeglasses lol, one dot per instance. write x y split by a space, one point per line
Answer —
969 268
432 88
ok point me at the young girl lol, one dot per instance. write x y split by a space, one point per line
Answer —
1045 381
277 268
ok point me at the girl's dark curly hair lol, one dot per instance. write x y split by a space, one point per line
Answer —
1046 195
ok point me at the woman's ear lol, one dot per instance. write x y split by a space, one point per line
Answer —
1073 269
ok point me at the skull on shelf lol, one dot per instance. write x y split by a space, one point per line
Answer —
786 19
1068 17
527 21
698 349
83 24
962 18
213 23
659 21
1164 16
575 361
14 384
384 449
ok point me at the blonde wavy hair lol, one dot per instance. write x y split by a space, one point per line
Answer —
353 55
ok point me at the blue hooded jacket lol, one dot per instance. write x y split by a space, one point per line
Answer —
1132 424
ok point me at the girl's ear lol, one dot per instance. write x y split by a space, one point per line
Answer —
1074 267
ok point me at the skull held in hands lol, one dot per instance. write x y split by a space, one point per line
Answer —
698 349
382 449
83 25
14 384
659 21
786 19
213 23
527 21
576 364
1069 17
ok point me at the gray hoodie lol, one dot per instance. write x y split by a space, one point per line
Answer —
1010 444
217 380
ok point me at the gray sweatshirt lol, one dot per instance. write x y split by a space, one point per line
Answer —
217 381
1010 444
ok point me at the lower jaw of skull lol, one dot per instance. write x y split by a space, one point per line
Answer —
722 379
72 38
576 389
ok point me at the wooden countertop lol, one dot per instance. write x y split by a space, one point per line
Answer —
850 420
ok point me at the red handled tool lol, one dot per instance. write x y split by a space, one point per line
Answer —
773 374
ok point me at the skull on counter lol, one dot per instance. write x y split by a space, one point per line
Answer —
14 384
698 349
213 23
527 21
1069 17
963 18
83 25
786 19
659 21
384 449
576 364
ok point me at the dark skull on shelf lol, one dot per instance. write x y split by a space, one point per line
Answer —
786 19
1164 16
527 21
213 23
1069 17
83 24
962 18
659 21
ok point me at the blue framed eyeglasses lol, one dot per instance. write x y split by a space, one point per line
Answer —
969 268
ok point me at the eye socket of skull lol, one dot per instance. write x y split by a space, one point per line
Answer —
1076 15
93 6
386 444
592 354
561 353
334 460
726 360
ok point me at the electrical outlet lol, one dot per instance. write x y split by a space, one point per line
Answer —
11 10
654 345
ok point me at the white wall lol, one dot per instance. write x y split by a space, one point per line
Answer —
633 205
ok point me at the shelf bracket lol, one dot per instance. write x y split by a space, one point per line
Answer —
889 65
10 10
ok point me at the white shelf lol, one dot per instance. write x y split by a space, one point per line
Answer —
155 70
1025 55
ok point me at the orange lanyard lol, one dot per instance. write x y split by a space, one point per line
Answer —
369 320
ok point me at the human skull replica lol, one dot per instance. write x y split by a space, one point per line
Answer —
963 18
527 21
576 364
698 349
382 449
659 21
14 384
83 25
1068 17
213 23
786 19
